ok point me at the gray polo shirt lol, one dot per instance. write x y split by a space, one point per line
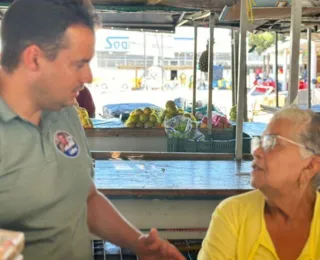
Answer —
45 176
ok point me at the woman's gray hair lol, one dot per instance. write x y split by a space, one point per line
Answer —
307 124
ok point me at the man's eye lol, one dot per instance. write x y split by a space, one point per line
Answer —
79 65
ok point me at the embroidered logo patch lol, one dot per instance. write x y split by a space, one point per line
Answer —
66 144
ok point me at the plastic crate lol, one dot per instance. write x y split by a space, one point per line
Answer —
223 133
208 146
102 250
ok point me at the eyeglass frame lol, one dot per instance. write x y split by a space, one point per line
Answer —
259 140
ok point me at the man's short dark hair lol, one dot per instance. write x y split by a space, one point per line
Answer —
42 23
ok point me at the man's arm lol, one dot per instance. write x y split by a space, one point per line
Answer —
105 221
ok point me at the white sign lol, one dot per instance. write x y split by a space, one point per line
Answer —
117 43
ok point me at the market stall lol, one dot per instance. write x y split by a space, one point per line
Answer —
175 192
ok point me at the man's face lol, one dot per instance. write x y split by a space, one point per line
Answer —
60 80
63 139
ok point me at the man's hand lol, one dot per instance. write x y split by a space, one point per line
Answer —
152 247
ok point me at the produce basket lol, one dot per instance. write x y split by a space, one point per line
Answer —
207 146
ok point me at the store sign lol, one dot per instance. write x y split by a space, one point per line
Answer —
117 43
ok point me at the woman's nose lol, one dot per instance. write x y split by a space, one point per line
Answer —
257 152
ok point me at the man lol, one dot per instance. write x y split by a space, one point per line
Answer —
44 192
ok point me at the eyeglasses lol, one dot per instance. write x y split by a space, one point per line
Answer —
268 142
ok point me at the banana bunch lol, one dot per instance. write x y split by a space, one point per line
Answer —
84 117
233 113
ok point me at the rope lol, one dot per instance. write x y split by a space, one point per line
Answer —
250 4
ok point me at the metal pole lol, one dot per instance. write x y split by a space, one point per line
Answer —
195 59
245 94
309 67
210 70
236 62
145 53
241 79
296 15
285 70
162 61
232 69
276 68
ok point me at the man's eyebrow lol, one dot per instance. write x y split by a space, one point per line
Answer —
82 61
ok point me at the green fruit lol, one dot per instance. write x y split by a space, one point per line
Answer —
140 125
187 115
147 111
177 135
172 110
149 124
131 125
203 61
133 119
170 103
144 118
138 112
153 118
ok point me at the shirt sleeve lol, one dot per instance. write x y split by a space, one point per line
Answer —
221 239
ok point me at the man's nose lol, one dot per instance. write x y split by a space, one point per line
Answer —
87 77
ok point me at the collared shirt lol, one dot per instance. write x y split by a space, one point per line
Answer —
238 231
45 177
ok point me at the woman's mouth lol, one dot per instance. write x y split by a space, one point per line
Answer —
256 167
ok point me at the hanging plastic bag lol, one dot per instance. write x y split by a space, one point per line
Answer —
182 127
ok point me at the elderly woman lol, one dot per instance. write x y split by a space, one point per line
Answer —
281 218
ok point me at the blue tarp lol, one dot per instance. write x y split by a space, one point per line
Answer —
115 110
107 123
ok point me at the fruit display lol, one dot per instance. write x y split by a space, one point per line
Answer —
233 113
143 118
172 110
84 117
151 118
218 121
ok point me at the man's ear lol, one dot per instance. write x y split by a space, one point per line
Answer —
31 57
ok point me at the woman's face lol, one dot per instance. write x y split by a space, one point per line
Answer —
279 168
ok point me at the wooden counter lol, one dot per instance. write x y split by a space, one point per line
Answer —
174 192
125 132
146 140
172 178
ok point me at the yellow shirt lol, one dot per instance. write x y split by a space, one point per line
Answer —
238 231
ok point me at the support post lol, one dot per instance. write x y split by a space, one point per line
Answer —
309 67
242 74
295 33
210 70
195 59
314 61
144 54
236 62
285 71
276 67
233 73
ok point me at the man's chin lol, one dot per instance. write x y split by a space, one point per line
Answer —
70 103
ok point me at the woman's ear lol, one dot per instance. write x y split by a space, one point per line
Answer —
312 168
